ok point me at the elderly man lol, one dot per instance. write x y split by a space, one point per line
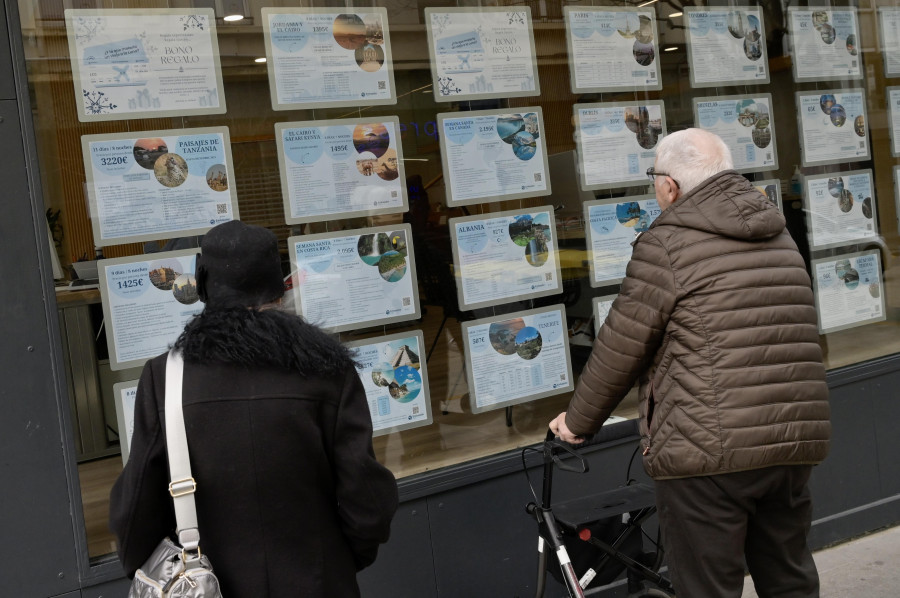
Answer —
716 317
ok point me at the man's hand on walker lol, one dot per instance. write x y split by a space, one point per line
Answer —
558 426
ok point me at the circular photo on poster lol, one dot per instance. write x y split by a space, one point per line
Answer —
753 28
634 116
851 279
163 273
628 213
737 24
184 289
875 290
171 170
408 384
762 118
851 44
627 24
147 151
524 145
762 137
536 252
645 31
841 267
532 125
828 34
752 49
836 186
771 193
838 115
819 19
508 125
643 53
217 177
369 57
747 112
365 163
371 137
826 102
647 138
528 343
503 335
392 266
521 229
374 29
867 207
349 31
859 125
387 166
845 201
371 247
398 241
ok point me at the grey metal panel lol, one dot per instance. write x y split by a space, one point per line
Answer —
112 589
7 84
886 413
75 594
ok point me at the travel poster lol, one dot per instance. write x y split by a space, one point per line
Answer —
517 358
893 104
771 188
481 52
746 126
505 256
832 126
616 142
493 155
889 22
392 371
158 184
825 43
849 290
337 169
602 305
124 394
726 46
353 279
611 229
328 57
147 300
612 48
144 63
840 208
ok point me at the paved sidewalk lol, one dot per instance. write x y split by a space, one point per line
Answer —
867 566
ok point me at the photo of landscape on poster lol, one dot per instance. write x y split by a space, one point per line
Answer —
840 208
889 26
505 256
481 52
825 43
771 188
726 46
353 279
336 169
746 126
147 300
518 357
124 394
833 126
849 290
158 184
611 228
612 48
616 142
328 57
144 63
493 155
393 373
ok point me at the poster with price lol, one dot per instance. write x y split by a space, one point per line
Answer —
611 228
726 46
337 169
771 188
616 142
612 48
347 281
505 256
889 25
479 53
893 105
124 394
849 290
327 57
825 44
493 155
158 184
746 126
392 371
144 63
517 358
147 300
840 208
833 126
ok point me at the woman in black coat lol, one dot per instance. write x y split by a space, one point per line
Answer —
290 499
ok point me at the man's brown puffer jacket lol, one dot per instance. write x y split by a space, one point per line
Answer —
716 316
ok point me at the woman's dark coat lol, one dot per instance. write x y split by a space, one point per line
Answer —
290 499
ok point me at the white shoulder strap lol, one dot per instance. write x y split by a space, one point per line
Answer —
182 486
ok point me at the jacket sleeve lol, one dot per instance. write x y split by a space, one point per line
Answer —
628 339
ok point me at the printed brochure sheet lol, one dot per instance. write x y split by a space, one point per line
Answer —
493 155
833 126
612 48
505 256
771 188
516 358
849 290
158 184
395 379
337 169
611 229
746 126
144 63
840 208
825 43
726 46
893 104
328 57
353 279
147 300
602 305
124 394
479 53
889 23
616 142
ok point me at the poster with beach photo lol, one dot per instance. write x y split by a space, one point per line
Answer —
825 43
124 394
726 46
493 155
328 57
611 228
746 126
518 357
612 48
616 142
505 256
840 208
353 279
849 290
771 188
335 169
147 300
393 373
889 25
833 126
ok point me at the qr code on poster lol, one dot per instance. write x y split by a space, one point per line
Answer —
382 85
415 410
407 301
537 177
221 208
548 275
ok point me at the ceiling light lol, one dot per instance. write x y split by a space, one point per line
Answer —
670 49
235 17
675 15
646 3
263 59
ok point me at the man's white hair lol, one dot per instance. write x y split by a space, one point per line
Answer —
691 156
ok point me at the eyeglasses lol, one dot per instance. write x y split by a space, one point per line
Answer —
652 174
